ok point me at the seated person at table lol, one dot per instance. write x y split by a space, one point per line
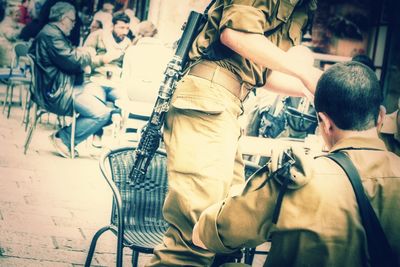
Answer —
318 222
32 29
104 80
59 72
144 64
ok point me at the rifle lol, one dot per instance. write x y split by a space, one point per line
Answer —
151 135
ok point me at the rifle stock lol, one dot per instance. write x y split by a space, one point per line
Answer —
151 135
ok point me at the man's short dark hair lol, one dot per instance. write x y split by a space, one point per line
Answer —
349 93
120 17
364 59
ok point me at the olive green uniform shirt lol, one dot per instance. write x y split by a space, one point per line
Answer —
278 19
319 222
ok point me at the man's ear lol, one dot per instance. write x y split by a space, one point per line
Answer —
326 124
381 116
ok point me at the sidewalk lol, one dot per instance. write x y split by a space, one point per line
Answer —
50 207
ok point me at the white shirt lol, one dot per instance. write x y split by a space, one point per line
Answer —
143 69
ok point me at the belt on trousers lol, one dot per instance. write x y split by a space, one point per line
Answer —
221 76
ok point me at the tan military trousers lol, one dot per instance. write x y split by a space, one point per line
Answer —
201 137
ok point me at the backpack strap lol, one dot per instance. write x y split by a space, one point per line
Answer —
378 246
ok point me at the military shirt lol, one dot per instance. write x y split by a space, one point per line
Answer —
319 222
281 20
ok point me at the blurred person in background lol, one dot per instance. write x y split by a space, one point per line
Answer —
2 9
59 70
24 12
10 30
34 7
105 15
33 28
105 77
144 64
134 20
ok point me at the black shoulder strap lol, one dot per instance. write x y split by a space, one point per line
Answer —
208 7
378 245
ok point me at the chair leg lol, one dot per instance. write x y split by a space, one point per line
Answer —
37 114
59 123
25 116
135 258
249 255
10 102
73 126
28 114
120 251
7 96
20 94
93 244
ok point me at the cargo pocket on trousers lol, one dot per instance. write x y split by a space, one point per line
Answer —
196 96
200 104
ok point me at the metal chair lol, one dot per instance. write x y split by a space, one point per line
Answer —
36 99
136 116
18 75
136 217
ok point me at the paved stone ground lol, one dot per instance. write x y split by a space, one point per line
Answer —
50 207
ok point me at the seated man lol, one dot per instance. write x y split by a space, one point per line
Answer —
142 74
60 68
319 222
104 81
144 64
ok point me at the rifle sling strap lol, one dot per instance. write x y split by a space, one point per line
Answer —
378 245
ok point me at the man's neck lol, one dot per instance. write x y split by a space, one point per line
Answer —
370 133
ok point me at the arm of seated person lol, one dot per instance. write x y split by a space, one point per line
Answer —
91 42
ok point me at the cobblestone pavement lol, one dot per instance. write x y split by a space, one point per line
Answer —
50 207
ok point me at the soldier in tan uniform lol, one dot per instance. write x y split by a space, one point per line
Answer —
240 41
319 222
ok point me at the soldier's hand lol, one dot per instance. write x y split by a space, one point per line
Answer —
310 79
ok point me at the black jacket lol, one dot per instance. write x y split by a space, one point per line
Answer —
57 64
